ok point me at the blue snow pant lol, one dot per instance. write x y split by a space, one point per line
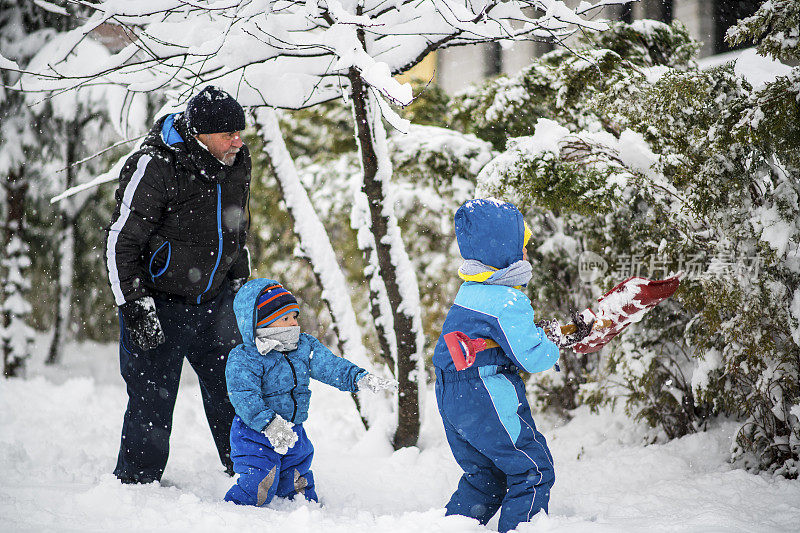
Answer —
204 334
263 472
491 433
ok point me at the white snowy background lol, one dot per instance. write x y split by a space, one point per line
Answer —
59 436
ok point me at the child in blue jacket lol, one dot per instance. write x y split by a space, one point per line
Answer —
268 384
487 419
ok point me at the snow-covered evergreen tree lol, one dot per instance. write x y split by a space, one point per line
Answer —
770 123
24 29
45 137
75 129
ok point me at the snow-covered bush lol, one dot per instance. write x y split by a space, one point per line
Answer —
560 84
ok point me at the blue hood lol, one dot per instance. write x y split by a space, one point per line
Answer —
244 306
489 231
169 134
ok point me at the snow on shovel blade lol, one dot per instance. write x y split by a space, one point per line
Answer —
623 305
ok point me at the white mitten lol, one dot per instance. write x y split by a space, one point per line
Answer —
376 383
280 434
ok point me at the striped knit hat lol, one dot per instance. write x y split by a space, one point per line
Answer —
272 303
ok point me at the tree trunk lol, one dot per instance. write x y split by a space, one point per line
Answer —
65 254
387 249
316 246
16 337
64 268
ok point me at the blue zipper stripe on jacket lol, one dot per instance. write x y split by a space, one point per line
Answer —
219 234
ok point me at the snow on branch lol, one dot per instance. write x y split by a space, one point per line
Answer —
288 53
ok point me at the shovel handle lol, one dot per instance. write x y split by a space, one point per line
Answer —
565 330
598 324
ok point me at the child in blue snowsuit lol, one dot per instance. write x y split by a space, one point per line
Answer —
487 419
268 384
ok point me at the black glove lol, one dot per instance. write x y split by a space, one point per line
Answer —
141 323
582 329
237 283
552 330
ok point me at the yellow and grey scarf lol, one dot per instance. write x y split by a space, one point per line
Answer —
515 275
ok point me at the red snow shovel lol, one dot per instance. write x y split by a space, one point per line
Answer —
623 305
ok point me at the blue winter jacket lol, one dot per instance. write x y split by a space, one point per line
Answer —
259 386
493 232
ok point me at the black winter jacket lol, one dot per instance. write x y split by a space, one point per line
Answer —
180 226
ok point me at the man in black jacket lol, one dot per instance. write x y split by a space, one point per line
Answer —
176 255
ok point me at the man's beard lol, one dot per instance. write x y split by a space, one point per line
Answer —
229 158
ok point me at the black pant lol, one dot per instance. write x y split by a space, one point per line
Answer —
204 334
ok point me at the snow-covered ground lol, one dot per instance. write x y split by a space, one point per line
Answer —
59 435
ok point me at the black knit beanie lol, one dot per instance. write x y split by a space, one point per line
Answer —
212 110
